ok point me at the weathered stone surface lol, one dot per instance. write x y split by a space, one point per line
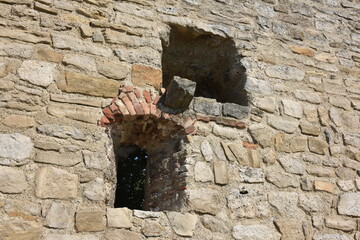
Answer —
255 232
179 93
25 209
352 139
207 151
285 72
207 106
118 218
309 129
226 132
20 230
311 97
36 72
81 62
303 50
324 186
122 234
182 223
262 134
203 172
61 159
26 36
88 85
12 180
334 236
81 100
19 121
290 229
292 108
317 145
94 190
251 175
204 200
61 131
349 204
94 160
214 224
282 180
346 185
15 148
286 125
49 55
293 165
152 229
55 183
235 110
62 236
221 172
321 171
341 102
298 144
339 223
267 104
59 216
146 214
89 221
16 50
83 114
75 44
285 203
112 69
312 203
143 75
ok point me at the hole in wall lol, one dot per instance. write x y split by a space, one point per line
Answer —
212 61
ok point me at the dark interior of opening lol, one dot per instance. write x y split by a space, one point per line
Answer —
131 178
212 61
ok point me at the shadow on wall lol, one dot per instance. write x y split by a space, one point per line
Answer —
212 61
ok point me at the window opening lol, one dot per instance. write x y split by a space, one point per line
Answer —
131 179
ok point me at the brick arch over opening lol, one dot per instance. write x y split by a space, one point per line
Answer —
132 103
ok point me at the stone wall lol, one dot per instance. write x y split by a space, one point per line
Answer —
283 165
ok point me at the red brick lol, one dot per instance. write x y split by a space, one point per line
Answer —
145 107
122 94
167 116
240 125
113 107
104 120
147 96
203 118
133 98
153 109
127 89
137 93
108 113
190 129
129 105
157 113
143 75
156 100
122 107
138 109
250 145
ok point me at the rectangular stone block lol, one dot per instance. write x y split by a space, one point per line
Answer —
89 221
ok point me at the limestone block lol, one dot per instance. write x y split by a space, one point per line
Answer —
37 72
258 86
324 186
61 159
152 229
255 232
303 50
89 221
214 224
19 121
203 172
286 125
290 229
12 180
346 185
298 144
311 113
63 236
282 180
119 218
285 203
335 116
308 96
112 69
24 207
146 214
318 145
221 172
122 234
95 190
21 230
334 236
251 175
3 71
262 134
15 146
182 223
88 85
313 203
59 216
292 108
83 114
349 204
310 129
285 72
81 62
341 102
352 139
235 110
55 183
321 171
94 160
61 131
26 36
17 50
267 104
225 132
207 106
179 93
293 165
204 200
207 151
143 75
49 55
340 223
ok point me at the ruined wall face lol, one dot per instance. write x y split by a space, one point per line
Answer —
284 165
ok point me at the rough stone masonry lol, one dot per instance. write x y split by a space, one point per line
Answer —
79 79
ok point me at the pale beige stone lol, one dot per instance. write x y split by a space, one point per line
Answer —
207 151
302 50
340 223
291 229
204 200
144 75
182 223
346 185
19 121
37 72
285 72
95 190
255 232
324 186
26 36
12 180
83 114
118 218
20 230
221 172
59 216
292 108
89 221
267 104
152 229
55 183
112 69
85 63
203 172
49 55
309 129
298 144
62 159
318 145
283 124
122 234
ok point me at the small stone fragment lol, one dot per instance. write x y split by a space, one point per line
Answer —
255 232
324 186
179 93
182 223
221 172
235 110
118 218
